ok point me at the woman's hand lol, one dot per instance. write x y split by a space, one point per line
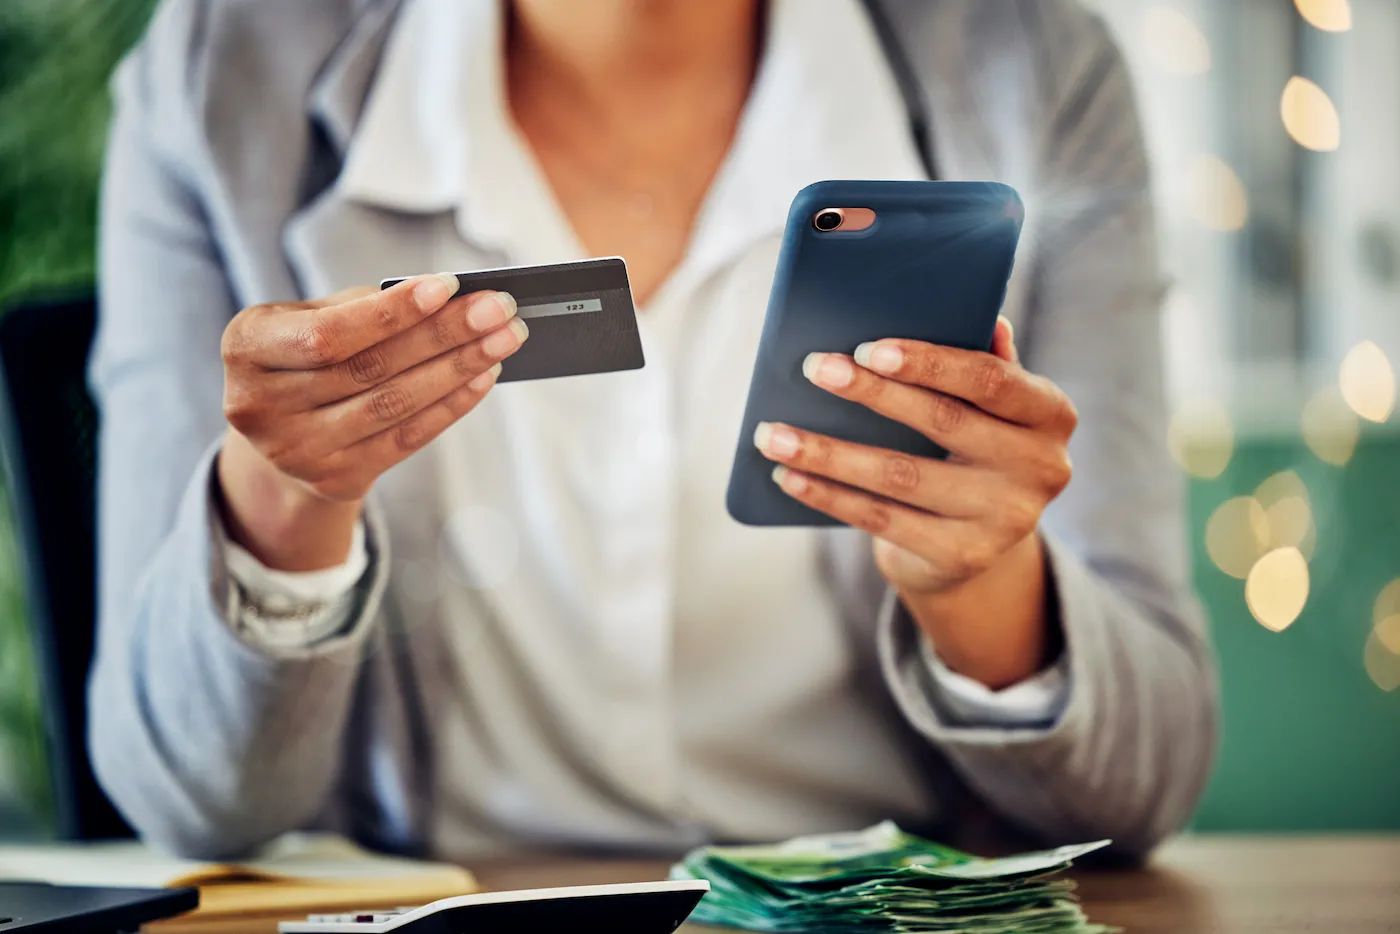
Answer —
957 537
324 396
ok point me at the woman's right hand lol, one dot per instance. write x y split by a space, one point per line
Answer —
323 396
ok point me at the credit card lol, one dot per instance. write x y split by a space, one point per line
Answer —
581 317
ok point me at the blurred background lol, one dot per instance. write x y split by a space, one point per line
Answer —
1275 131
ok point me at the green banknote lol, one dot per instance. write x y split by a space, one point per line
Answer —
883 879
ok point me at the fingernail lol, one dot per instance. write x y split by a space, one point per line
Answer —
829 370
882 358
1010 330
791 483
507 301
485 381
499 343
775 440
489 311
434 290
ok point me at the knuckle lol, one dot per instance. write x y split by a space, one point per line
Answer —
991 379
874 517
1020 515
463 363
929 365
1057 471
1069 415
815 451
901 473
946 414
443 333
367 366
386 316
410 436
239 414
389 403
233 345
969 559
243 406
317 343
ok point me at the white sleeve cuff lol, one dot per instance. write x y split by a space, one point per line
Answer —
294 609
297 587
960 701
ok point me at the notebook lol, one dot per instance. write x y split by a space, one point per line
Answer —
296 875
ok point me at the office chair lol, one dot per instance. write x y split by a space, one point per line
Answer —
48 445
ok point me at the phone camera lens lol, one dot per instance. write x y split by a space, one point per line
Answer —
827 220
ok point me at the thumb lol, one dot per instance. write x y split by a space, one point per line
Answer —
1004 341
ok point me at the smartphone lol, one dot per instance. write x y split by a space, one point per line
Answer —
861 261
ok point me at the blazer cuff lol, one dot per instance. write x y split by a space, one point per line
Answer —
279 614
1047 708
960 701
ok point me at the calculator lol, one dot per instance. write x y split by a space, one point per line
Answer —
628 908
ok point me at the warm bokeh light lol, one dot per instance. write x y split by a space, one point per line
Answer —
1201 437
1237 534
1277 588
1381 664
1309 116
1330 427
1287 513
1327 15
1388 631
1368 382
1174 42
1216 195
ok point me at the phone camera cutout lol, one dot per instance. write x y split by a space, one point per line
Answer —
846 220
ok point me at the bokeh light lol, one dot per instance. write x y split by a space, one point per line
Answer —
1330 427
1383 646
1327 15
1174 42
1237 535
1277 588
1309 116
1201 437
1382 664
1368 382
1216 196
1388 632
1287 513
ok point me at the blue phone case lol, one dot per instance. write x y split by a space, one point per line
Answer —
933 267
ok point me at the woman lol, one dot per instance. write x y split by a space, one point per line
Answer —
348 582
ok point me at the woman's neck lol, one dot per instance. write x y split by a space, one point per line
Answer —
611 55
630 107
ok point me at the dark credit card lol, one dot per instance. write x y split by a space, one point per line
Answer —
580 315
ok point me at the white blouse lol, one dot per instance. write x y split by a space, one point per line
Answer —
601 503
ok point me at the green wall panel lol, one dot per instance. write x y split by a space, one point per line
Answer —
1310 742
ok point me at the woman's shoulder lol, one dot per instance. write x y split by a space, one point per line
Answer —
1044 45
213 59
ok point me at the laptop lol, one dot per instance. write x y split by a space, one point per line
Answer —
34 907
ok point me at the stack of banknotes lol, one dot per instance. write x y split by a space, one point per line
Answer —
883 879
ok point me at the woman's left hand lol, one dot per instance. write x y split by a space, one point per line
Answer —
939 525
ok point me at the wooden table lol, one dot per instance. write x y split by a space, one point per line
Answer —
1195 885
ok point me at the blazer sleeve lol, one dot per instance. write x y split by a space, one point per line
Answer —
1129 755
207 742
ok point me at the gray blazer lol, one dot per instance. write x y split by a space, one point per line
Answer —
231 118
